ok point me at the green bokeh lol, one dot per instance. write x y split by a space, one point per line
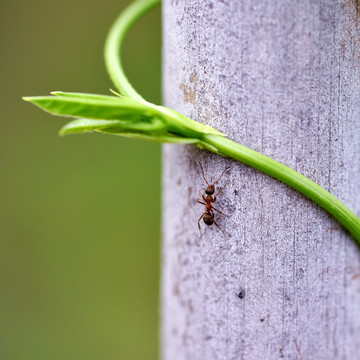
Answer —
79 215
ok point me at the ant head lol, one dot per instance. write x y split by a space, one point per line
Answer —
210 190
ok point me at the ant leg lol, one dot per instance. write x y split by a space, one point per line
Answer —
204 175
203 196
200 219
200 202
219 192
219 228
220 212
221 175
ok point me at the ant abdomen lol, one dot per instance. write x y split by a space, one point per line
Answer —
208 218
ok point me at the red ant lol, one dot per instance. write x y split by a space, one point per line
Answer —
208 215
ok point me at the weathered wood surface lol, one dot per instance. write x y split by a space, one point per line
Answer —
282 77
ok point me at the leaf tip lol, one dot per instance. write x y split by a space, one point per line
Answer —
62 132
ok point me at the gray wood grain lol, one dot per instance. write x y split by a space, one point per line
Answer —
281 77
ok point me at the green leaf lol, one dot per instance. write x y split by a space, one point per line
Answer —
86 96
154 126
90 106
116 127
85 125
161 138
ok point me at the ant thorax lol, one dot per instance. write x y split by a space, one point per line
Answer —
209 198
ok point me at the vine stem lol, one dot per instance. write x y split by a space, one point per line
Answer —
290 177
114 42
220 144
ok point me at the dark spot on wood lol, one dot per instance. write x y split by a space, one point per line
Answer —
176 289
281 350
357 7
332 228
185 338
189 93
241 294
193 77
185 262
236 192
191 308
300 273
207 338
262 319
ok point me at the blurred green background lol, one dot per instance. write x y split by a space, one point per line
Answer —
80 215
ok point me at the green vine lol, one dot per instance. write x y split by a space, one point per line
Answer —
128 114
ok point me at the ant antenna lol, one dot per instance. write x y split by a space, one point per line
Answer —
204 175
202 170
221 175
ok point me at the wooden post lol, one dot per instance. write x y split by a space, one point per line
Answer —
281 77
